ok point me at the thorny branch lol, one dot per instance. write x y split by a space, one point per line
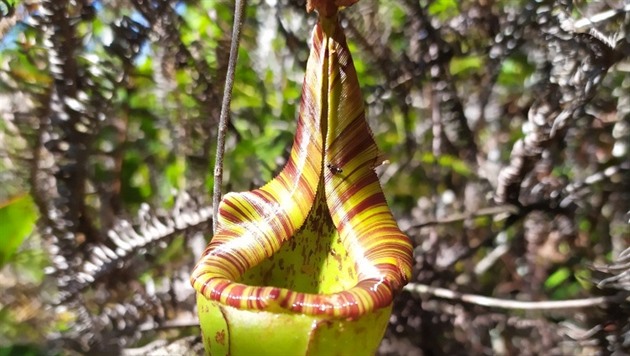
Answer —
575 80
584 24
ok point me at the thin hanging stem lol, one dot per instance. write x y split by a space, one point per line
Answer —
239 17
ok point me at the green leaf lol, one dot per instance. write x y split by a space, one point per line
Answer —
557 278
17 220
465 65
444 9
20 350
514 71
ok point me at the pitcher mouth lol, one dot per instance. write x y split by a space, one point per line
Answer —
366 296
313 273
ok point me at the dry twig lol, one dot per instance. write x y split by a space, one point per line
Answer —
514 304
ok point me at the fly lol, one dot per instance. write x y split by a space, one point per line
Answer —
334 169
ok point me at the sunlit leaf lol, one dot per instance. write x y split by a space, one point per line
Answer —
464 65
557 278
514 71
444 9
17 220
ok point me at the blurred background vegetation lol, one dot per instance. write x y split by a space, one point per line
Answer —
506 124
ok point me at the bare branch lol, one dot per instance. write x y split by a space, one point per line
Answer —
190 345
170 324
492 210
514 304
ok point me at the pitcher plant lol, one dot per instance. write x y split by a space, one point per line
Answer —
308 264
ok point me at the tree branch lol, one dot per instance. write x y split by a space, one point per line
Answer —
514 304
170 324
492 210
